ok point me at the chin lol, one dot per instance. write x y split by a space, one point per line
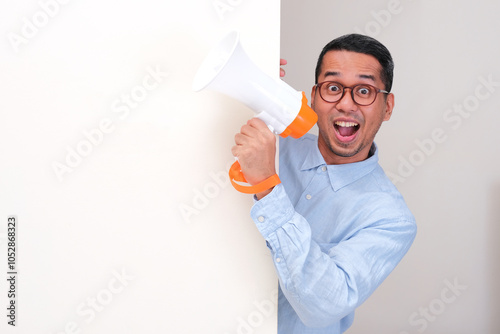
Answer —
345 153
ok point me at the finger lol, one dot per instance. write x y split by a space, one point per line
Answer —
248 136
253 129
240 139
257 123
248 130
282 71
260 127
234 151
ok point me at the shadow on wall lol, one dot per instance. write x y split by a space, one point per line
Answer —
493 250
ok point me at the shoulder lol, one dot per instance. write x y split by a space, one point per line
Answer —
304 143
384 198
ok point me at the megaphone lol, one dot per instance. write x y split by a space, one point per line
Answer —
228 69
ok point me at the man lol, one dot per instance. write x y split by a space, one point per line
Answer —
336 226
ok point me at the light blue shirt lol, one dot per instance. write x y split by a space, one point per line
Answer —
335 232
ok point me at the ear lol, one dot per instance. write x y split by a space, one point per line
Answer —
313 94
389 106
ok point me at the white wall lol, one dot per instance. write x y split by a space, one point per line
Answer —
103 244
444 162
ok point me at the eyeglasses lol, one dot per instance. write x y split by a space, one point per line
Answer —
362 94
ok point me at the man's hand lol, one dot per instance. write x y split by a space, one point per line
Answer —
256 152
282 71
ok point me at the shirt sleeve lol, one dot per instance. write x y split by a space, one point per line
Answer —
324 284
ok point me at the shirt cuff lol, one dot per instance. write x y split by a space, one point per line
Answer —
272 212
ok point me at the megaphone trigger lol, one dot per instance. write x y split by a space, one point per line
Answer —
270 127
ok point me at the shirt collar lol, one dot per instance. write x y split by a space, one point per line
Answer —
345 174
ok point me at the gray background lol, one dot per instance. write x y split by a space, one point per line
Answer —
445 163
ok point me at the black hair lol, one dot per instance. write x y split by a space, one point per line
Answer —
362 44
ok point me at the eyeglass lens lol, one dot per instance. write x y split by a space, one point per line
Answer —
362 94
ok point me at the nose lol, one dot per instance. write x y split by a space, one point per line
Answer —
346 103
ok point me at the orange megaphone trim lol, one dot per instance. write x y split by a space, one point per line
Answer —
235 175
305 120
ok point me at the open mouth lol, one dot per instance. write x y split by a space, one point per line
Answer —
346 130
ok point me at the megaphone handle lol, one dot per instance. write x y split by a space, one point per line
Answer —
263 116
235 174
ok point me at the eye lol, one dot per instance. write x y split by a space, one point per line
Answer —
363 91
333 88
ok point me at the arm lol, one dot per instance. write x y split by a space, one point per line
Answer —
256 152
324 284
256 149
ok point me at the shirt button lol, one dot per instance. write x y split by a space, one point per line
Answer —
278 259
308 196
323 168
261 219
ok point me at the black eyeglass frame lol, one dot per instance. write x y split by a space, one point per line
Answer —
377 90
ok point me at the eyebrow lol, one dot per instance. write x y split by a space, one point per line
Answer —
367 76
332 74
362 76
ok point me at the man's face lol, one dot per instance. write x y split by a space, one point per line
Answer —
347 130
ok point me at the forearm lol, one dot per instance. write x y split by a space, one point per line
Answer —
318 290
325 285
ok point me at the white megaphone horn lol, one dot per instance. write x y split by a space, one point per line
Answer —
228 69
